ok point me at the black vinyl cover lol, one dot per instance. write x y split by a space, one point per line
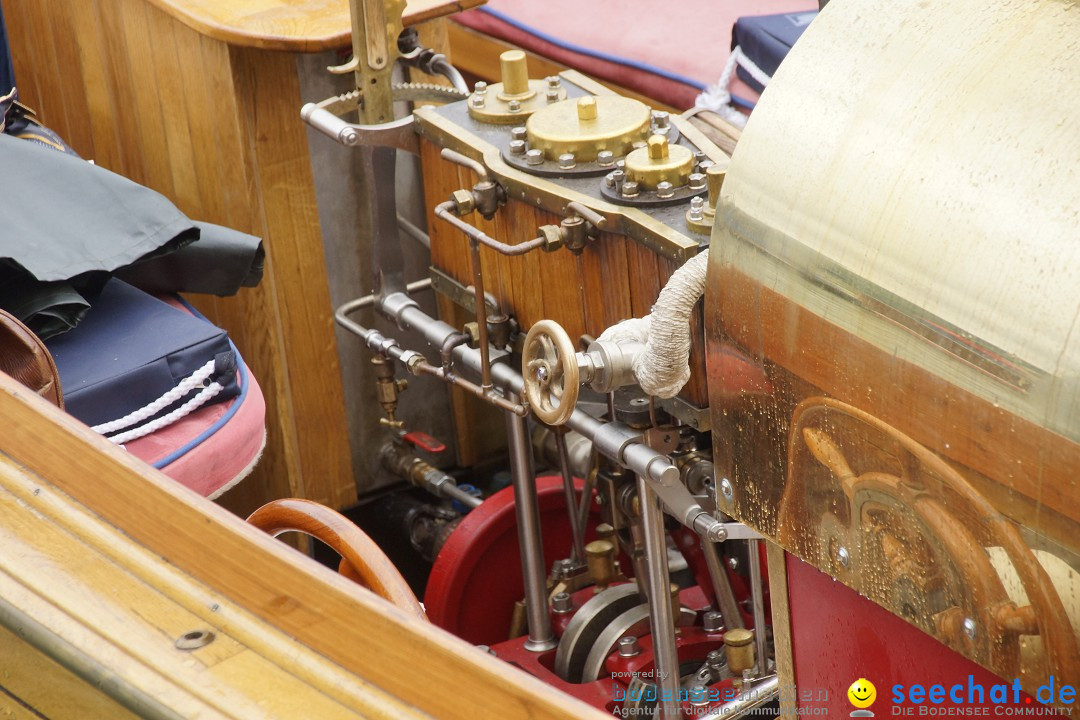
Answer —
66 225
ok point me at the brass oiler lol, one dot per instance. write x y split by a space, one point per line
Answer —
587 125
516 97
659 161
739 644
600 559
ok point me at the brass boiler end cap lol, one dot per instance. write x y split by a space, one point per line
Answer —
659 161
514 70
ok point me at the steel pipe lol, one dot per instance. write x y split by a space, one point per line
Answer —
661 618
541 638
757 594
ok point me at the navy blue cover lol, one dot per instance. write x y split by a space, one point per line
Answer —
766 40
130 350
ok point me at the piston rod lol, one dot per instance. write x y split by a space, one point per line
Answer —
527 509
661 618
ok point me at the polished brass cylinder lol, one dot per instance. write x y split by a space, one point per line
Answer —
515 74
600 559
739 645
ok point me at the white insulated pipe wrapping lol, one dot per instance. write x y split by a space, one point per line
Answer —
664 366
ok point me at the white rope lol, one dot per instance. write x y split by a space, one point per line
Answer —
185 386
664 366
717 97
204 396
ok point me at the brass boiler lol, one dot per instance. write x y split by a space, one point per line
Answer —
897 245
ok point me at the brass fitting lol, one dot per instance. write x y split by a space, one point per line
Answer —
739 645
659 161
387 389
600 559
463 202
586 108
553 237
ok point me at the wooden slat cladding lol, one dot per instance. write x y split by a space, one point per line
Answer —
150 561
612 279
216 129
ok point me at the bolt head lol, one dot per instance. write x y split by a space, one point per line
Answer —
704 165
733 563
665 190
630 189
970 628
514 106
561 603
517 147
660 118
519 133
605 158
699 696
480 88
554 82
567 161
843 556
534 157
628 646
552 96
478 101
697 181
713 621
727 489
609 180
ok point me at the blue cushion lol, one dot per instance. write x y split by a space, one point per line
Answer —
130 350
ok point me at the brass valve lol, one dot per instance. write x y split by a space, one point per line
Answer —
702 214
387 390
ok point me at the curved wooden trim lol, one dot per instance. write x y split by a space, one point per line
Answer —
295 27
367 562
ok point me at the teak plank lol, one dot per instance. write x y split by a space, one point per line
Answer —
252 587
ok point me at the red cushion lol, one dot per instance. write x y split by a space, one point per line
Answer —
690 39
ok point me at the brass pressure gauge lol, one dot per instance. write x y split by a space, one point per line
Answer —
585 127
659 162
515 98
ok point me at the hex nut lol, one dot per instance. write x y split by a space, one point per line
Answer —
464 203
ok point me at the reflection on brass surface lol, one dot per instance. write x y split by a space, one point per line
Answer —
902 264
587 125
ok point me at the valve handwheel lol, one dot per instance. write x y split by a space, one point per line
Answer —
549 367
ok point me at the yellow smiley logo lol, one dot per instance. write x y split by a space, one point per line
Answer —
862 693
